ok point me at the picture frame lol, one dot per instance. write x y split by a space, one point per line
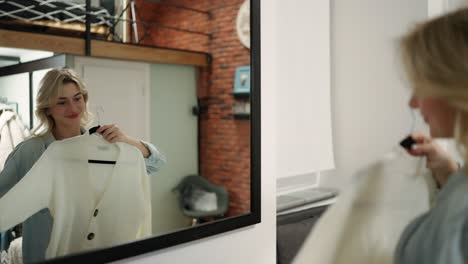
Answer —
242 80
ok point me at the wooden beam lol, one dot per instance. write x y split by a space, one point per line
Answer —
139 53
76 46
25 40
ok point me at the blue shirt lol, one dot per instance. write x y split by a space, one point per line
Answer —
37 228
440 235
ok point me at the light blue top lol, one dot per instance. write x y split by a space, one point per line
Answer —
441 235
37 228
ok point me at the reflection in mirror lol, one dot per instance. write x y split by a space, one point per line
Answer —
181 140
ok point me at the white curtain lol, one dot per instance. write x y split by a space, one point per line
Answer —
302 74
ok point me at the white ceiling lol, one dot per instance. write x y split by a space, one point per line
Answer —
25 55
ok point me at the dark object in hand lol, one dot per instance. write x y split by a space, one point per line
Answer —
93 129
407 143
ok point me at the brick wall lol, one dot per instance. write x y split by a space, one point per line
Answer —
225 141
171 17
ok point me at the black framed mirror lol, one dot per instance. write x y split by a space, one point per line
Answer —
225 86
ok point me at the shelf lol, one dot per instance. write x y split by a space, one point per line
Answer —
242 116
241 95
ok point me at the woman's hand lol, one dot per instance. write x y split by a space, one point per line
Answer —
112 134
438 160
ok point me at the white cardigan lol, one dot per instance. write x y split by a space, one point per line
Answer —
366 222
62 180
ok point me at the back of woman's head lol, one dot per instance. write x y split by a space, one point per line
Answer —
50 87
435 58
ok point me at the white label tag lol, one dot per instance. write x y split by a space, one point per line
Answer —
103 147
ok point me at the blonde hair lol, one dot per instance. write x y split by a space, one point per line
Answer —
435 58
50 88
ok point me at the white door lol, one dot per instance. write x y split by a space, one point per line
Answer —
119 88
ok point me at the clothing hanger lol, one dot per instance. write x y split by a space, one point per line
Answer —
95 128
112 162
408 141
102 161
92 131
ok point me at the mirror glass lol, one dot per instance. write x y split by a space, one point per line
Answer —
191 116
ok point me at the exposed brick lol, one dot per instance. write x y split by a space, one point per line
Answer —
225 141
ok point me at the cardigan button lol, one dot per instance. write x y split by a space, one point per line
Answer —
96 212
90 236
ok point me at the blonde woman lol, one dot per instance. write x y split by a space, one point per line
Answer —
435 57
62 111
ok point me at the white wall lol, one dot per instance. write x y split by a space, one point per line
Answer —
256 244
369 96
303 76
25 55
438 7
370 115
454 4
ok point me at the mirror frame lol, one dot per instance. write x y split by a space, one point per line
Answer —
212 228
